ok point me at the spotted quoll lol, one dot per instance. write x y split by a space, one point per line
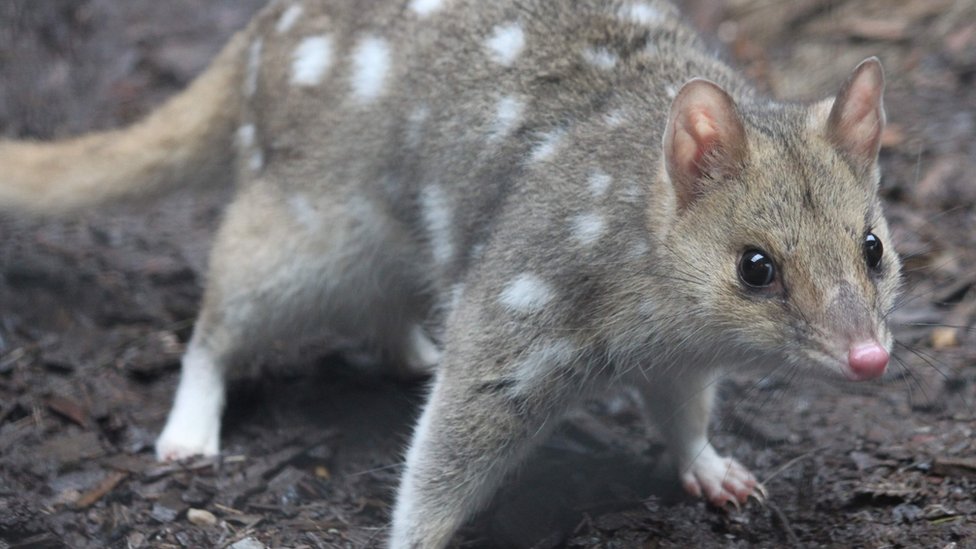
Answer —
530 200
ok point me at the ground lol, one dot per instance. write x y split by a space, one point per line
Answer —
95 311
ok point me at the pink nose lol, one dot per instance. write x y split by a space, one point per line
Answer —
867 360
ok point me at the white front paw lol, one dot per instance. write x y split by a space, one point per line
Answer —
720 480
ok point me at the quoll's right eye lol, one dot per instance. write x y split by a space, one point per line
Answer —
756 269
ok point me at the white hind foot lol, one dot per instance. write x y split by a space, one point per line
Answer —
193 425
422 354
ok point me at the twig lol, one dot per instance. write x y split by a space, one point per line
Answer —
781 518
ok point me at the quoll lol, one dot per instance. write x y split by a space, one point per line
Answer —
529 200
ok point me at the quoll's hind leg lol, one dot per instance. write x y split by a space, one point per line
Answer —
420 354
193 425
281 268
415 357
681 406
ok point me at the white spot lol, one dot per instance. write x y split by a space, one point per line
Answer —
416 121
246 141
245 136
304 212
601 58
642 13
371 63
193 425
598 183
477 251
547 146
253 66
436 209
587 228
508 111
671 90
614 118
526 293
457 292
311 60
639 249
256 160
506 43
424 8
288 18
540 362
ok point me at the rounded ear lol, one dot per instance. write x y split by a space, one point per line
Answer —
857 117
704 140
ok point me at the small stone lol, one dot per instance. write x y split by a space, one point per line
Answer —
136 539
163 513
248 543
201 517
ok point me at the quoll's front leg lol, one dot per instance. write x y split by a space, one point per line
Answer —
718 479
681 407
478 424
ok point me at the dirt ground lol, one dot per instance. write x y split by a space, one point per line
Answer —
95 310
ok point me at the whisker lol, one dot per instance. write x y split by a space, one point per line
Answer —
939 325
925 359
779 470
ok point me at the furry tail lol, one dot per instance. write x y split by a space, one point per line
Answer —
184 142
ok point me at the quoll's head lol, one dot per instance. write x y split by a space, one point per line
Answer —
778 226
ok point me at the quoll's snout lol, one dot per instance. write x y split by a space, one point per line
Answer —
867 360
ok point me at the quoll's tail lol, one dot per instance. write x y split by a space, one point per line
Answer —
186 141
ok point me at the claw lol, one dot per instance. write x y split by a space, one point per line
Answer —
721 480
759 496
762 491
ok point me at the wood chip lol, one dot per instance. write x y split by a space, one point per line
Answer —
876 29
98 492
945 337
954 467
69 409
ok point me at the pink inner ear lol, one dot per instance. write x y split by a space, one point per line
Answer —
857 118
705 132
695 136
705 136
861 120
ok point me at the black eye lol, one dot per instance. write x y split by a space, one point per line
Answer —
873 250
756 269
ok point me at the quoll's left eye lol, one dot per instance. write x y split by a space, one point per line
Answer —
873 250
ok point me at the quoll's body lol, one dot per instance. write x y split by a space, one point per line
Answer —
562 195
